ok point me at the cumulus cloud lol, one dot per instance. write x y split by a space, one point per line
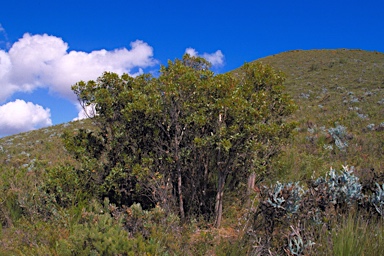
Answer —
20 116
216 58
36 61
44 61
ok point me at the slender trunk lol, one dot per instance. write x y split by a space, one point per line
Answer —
250 186
219 199
221 180
179 180
180 192
167 191
205 177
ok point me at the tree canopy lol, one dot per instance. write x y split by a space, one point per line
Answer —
180 139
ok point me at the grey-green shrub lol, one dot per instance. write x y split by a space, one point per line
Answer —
343 187
287 201
339 134
377 199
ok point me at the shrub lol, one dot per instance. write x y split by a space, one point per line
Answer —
98 234
343 188
286 197
339 134
377 199
101 231
278 210
65 186
288 217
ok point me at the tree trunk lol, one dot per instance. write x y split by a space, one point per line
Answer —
179 180
205 179
180 192
250 186
219 200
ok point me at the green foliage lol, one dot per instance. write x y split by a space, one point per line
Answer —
20 195
85 146
11 209
98 234
108 230
37 237
175 136
65 186
161 229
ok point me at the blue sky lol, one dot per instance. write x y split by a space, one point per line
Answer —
46 46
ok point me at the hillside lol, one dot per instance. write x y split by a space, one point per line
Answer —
331 88
43 146
45 209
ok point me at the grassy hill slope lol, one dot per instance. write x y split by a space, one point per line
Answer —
43 146
334 88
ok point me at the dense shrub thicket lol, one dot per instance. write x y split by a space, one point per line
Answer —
179 140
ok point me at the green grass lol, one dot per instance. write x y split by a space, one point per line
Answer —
39 148
331 87
356 236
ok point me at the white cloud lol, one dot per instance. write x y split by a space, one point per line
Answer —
44 61
5 64
19 116
216 58
86 112
191 52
